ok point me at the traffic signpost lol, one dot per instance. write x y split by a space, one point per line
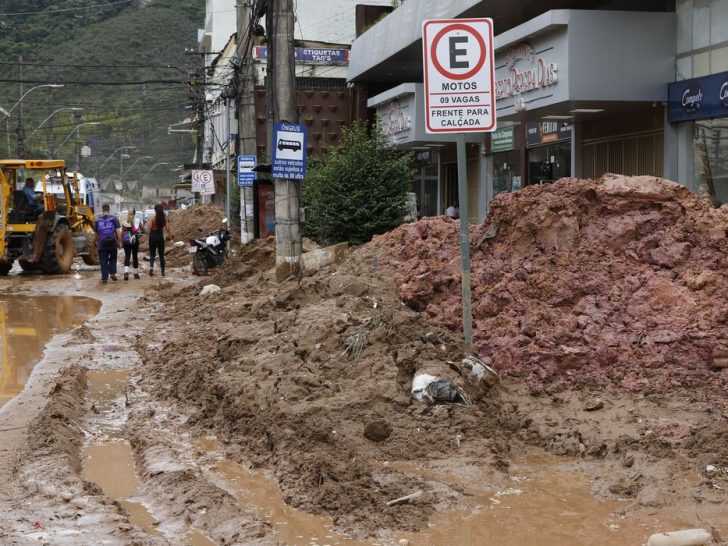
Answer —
246 175
289 151
460 98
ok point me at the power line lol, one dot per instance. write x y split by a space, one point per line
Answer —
61 65
98 82
66 9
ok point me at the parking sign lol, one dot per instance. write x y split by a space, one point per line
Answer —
459 75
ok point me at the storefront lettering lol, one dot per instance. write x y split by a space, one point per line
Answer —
692 99
542 74
394 120
723 94
519 52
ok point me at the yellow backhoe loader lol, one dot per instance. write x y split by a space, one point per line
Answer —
43 230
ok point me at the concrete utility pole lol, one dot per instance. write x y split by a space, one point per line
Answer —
281 91
77 115
20 130
246 113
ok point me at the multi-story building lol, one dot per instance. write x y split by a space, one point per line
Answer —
581 89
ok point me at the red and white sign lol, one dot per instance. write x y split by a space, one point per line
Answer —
459 75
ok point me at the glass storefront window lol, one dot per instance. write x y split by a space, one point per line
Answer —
710 147
424 186
549 163
506 172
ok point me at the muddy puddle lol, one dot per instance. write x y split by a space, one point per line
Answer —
541 504
110 465
27 323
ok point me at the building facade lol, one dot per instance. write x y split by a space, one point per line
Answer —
697 132
581 90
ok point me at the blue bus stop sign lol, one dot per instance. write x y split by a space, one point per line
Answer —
289 151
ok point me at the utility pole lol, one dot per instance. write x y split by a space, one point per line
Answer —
77 115
246 113
51 131
20 130
281 93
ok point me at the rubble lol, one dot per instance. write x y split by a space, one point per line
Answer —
618 282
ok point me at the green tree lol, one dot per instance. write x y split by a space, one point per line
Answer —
357 190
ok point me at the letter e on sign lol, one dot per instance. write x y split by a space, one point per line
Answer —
459 75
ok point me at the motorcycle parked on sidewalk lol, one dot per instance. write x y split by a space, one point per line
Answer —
210 251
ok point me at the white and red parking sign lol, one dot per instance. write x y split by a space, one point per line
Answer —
459 75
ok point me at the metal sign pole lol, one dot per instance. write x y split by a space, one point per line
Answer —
464 238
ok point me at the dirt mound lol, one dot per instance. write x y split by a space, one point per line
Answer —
293 377
618 283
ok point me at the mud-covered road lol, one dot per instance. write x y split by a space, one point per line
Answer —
281 414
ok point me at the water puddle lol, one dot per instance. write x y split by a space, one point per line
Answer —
110 465
255 491
541 504
27 323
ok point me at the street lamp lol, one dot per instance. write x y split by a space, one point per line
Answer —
53 85
74 109
112 155
77 132
20 118
135 162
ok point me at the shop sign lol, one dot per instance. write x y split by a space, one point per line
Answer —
502 140
423 158
547 131
459 75
394 118
527 71
698 98
309 55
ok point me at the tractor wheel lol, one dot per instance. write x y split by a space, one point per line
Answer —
5 267
59 253
199 264
27 266
92 258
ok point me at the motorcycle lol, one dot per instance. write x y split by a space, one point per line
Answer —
210 251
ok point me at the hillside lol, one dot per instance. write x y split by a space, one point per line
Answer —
96 52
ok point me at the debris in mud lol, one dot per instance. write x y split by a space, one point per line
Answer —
620 283
209 289
433 390
685 537
594 404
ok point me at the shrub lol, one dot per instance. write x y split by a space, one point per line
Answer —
357 190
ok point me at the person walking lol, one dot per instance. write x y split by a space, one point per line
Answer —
132 229
158 225
108 236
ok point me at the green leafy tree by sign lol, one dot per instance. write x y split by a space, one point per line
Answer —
357 190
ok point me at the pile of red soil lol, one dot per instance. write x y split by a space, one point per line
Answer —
191 223
618 283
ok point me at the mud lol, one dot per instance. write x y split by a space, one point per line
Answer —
306 386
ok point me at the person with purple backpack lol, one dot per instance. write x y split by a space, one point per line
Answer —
108 236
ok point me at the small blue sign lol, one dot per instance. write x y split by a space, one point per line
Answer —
699 98
246 176
289 151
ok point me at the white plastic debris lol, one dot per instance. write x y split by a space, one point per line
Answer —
432 390
209 289
419 385
684 537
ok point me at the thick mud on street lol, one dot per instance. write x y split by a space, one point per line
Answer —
162 411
